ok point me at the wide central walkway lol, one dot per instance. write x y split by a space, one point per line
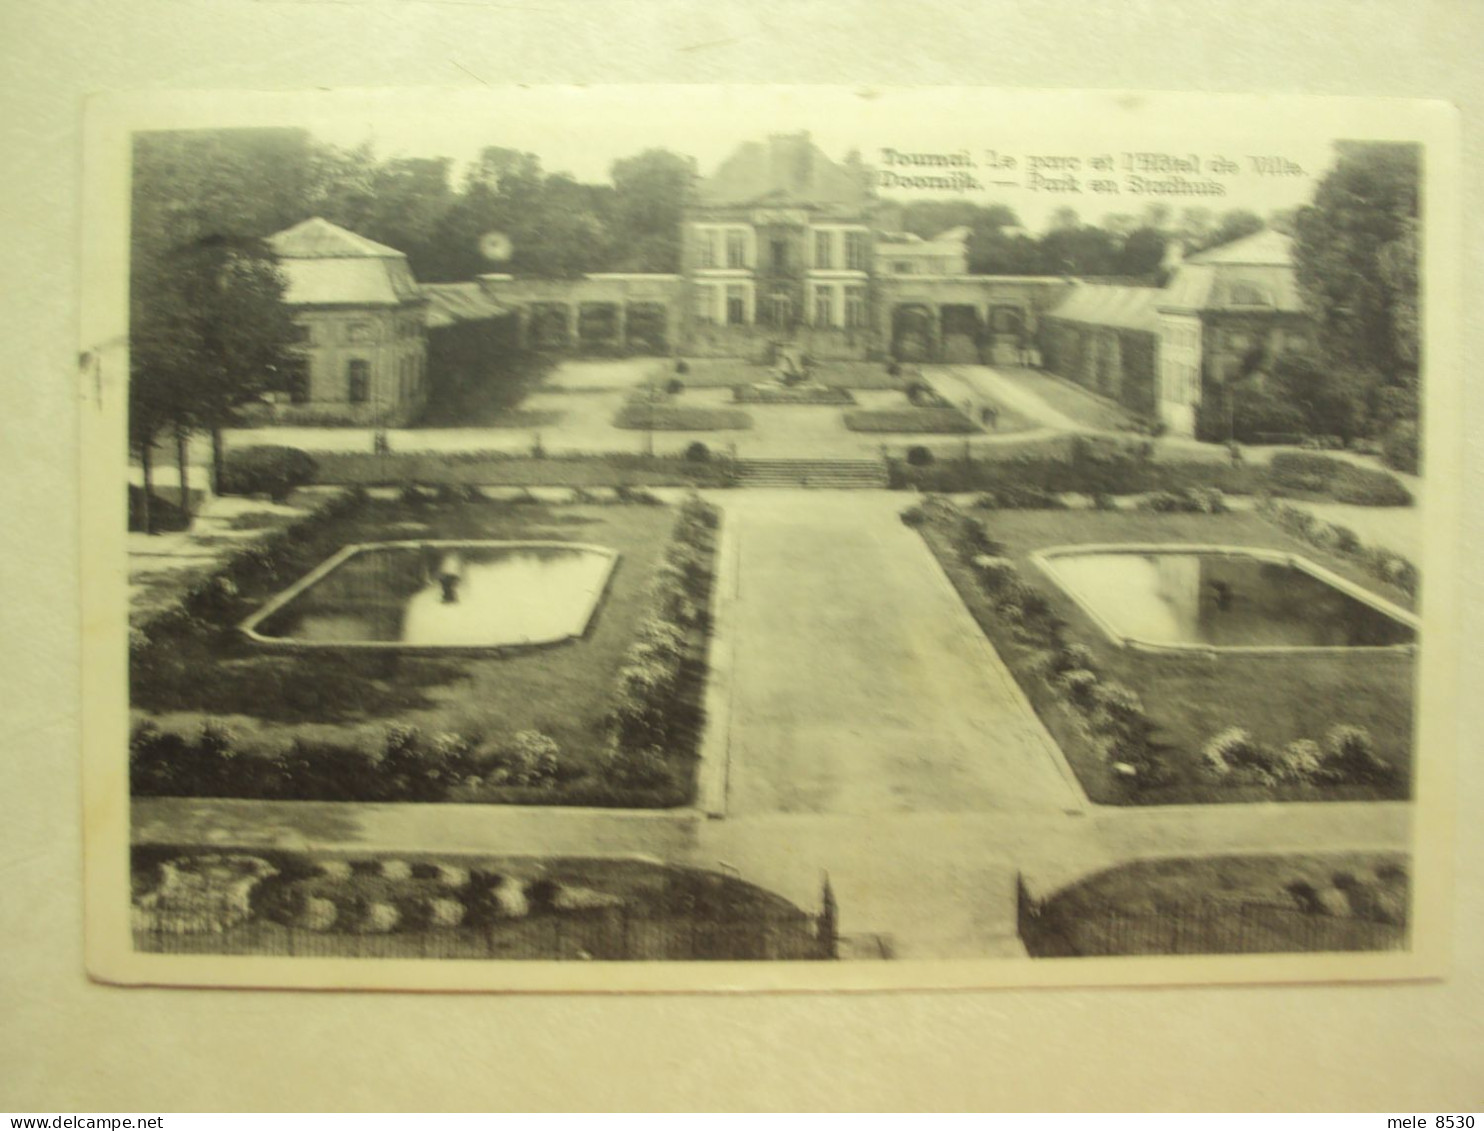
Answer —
859 682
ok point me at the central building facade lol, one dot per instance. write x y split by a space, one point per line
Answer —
783 244
777 244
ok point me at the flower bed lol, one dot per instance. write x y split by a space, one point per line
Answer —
532 728
484 907
1135 726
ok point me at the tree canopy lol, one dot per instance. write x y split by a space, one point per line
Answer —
1355 257
208 328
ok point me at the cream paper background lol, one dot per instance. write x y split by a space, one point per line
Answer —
66 1044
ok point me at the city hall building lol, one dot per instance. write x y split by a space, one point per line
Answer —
783 245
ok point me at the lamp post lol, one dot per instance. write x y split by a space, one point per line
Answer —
969 416
651 398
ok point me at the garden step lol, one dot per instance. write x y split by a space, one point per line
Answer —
813 472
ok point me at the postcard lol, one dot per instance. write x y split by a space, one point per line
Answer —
768 538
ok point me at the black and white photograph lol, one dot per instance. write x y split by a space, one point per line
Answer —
767 537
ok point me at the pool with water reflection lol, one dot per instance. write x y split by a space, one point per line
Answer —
1217 597
440 594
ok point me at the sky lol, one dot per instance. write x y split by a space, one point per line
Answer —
1054 135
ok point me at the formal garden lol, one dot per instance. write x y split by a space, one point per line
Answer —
1143 725
610 718
460 907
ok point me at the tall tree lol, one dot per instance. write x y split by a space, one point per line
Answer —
1355 258
649 191
1142 253
206 318
1077 250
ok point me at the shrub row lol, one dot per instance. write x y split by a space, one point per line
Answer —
565 469
1106 465
1383 564
1020 498
648 702
1347 757
1088 466
1188 500
410 765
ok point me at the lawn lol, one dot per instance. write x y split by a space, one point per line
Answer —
1250 903
939 419
681 418
194 669
1277 698
1086 408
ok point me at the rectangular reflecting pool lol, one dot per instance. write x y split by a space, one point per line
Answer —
441 594
1224 598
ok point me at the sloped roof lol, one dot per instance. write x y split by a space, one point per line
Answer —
317 238
1129 308
1253 273
1266 248
451 303
325 265
787 169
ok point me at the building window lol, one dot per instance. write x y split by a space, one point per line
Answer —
706 304
781 309
855 307
824 306
705 247
824 247
358 380
901 267
857 251
736 248
779 256
296 380
1245 294
300 335
358 332
736 306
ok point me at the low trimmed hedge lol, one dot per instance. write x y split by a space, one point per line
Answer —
493 469
680 418
1104 467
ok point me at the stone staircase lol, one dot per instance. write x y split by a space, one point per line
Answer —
832 473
